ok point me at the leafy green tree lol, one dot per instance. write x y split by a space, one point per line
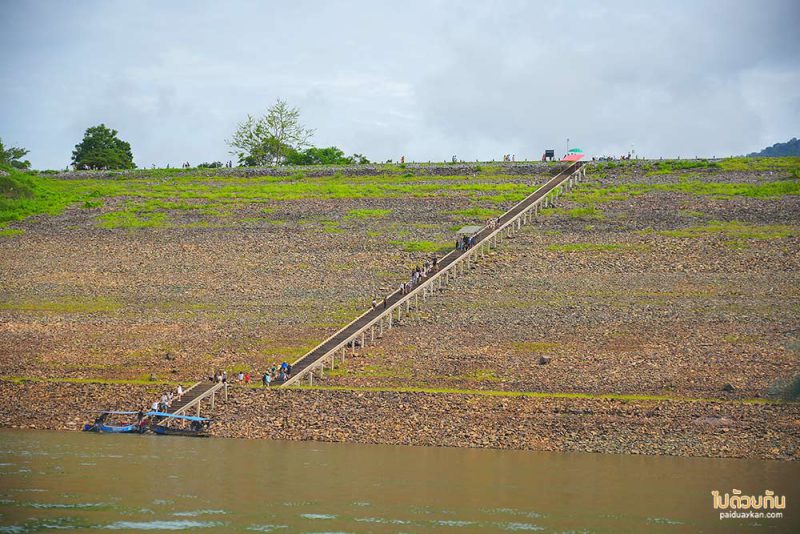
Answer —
318 156
271 138
101 149
13 156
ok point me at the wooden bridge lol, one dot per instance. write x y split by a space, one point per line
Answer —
194 395
450 267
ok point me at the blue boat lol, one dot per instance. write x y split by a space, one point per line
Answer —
103 424
168 424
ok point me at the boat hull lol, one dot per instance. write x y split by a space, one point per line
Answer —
166 431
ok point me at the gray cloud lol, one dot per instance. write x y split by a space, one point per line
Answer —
428 80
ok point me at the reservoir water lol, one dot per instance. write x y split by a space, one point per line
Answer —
75 481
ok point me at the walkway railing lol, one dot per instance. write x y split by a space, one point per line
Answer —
450 267
194 395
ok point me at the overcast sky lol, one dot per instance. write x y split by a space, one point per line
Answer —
427 80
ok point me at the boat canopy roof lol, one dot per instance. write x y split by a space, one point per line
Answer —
469 230
173 416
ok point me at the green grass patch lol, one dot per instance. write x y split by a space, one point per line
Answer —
483 375
588 196
791 164
423 246
537 394
10 232
477 213
736 230
367 213
129 220
108 381
691 213
151 194
65 305
589 212
670 166
331 227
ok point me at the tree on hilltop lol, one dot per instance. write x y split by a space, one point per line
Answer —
102 149
13 156
318 156
271 138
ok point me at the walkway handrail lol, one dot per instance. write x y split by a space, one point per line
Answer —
450 261
210 391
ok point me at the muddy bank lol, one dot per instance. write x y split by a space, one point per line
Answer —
679 428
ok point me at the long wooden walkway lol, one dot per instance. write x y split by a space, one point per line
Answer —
450 266
194 395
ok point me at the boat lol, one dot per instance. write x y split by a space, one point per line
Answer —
168 424
105 423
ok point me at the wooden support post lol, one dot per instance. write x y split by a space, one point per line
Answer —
311 378
416 301
198 408
372 334
213 393
322 370
363 340
225 388
380 332
390 319
408 306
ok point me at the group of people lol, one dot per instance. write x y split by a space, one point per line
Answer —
419 273
277 374
466 242
166 400
509 157
492 223
186 165
612 158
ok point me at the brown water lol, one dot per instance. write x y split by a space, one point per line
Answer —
107 482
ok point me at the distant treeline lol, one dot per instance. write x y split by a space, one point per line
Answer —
780 150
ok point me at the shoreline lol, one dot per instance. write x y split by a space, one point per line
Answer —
716 429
